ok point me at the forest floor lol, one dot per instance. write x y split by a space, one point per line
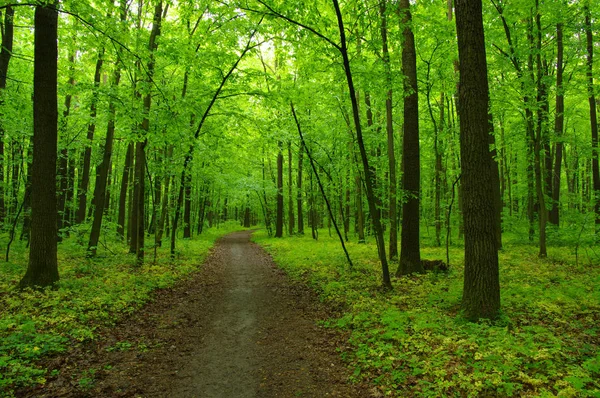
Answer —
238 328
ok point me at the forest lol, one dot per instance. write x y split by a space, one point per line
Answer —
429 169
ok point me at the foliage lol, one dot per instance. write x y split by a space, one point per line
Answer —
413 342
92 293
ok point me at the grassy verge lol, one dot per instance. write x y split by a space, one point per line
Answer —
91 293
413 342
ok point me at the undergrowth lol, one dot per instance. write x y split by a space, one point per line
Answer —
413 341
91 293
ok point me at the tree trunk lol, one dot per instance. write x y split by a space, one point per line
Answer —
481 294
593 115
5 55
138 219
369 180
290 192
279 212
164 202
127 169
393 252
87 154
299 191
187 207
410 256
42 269
559 122
102 175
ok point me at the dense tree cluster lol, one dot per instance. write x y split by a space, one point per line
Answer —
162 116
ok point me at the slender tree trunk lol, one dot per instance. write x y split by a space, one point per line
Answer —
127 169
299 190
26 231
5 55
138 219
410 255
393 252
165 201
102 175
279 210
369 180
42 269
540 138
481 294
187 207
559 122
87 154
63 160
593 115
290 192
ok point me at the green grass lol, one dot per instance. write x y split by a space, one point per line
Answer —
91 294
413 342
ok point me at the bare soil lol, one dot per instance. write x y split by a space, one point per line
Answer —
239 328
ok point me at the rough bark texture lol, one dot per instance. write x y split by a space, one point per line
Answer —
481 294
410 255
42 269
5 54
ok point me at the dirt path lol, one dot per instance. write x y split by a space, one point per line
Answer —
238 329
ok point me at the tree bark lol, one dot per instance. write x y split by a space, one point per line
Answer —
559 122
102 175
392 194
369 181
87 154
593 114
5 55
299 190
481 294
290 192
279 209
127 168
42 269
410 255
138 219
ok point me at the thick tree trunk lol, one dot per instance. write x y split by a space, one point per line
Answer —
410 255
42 269
5 55
481 294
393 251
87 154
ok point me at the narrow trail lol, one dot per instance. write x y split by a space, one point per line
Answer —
239 329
